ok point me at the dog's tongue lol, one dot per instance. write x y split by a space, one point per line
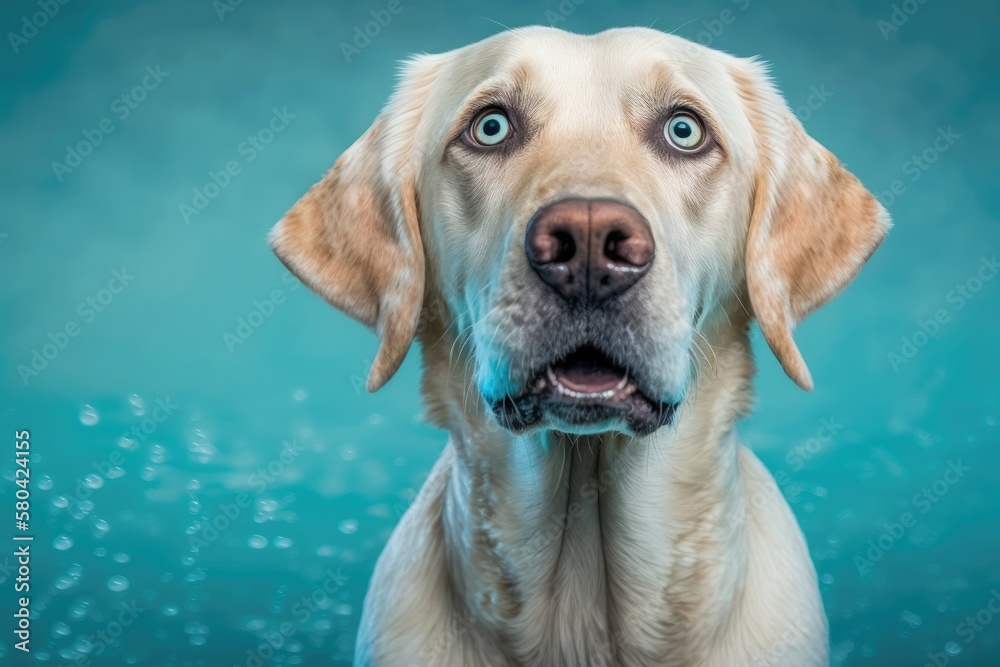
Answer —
586 376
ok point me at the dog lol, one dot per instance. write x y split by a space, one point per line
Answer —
579 231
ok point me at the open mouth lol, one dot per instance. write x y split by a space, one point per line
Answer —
585 389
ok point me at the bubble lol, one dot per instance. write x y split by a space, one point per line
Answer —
62 542
300 394
195 628
64 582
282 542
257 541
115 472
44 483
89 416
343 609
60 502
137 404
157 453
100 552
348 452
348 526
254 624
169 610
121 557
60 629
952 648
101 527
118 583
911 619
79 610
127 443
93 481
827 579
375 419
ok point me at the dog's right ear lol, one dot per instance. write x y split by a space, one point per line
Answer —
354 237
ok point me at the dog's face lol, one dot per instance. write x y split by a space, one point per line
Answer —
584 207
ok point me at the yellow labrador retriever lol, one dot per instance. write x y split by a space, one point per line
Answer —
579 231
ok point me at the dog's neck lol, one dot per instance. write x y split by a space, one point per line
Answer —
607 538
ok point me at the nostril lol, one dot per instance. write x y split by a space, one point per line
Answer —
566 247
612 245
621 248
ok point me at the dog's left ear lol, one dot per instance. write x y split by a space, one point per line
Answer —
354 238
812 225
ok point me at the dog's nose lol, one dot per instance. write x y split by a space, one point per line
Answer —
589 250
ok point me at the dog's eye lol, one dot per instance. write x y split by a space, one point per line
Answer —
684 132
490 128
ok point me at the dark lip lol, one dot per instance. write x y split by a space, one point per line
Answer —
584 388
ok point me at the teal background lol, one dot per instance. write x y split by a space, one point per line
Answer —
108 504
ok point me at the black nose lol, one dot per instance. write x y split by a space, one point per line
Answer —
589 250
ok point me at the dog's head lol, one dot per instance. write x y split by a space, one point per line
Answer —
582 208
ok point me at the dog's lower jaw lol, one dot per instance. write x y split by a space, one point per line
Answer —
677 549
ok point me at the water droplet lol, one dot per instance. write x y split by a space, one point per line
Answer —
60 629
343 609
300 395
257 541
128 443
375 419
44 483
137 404
827 579
169 610
348 452
89 416
100 527
93 481
348 526
121 557
282 542
118 583
952 648
62 542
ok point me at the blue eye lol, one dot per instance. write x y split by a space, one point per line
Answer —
684 132
491 128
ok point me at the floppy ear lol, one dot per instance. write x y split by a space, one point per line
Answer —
812 226
354 238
